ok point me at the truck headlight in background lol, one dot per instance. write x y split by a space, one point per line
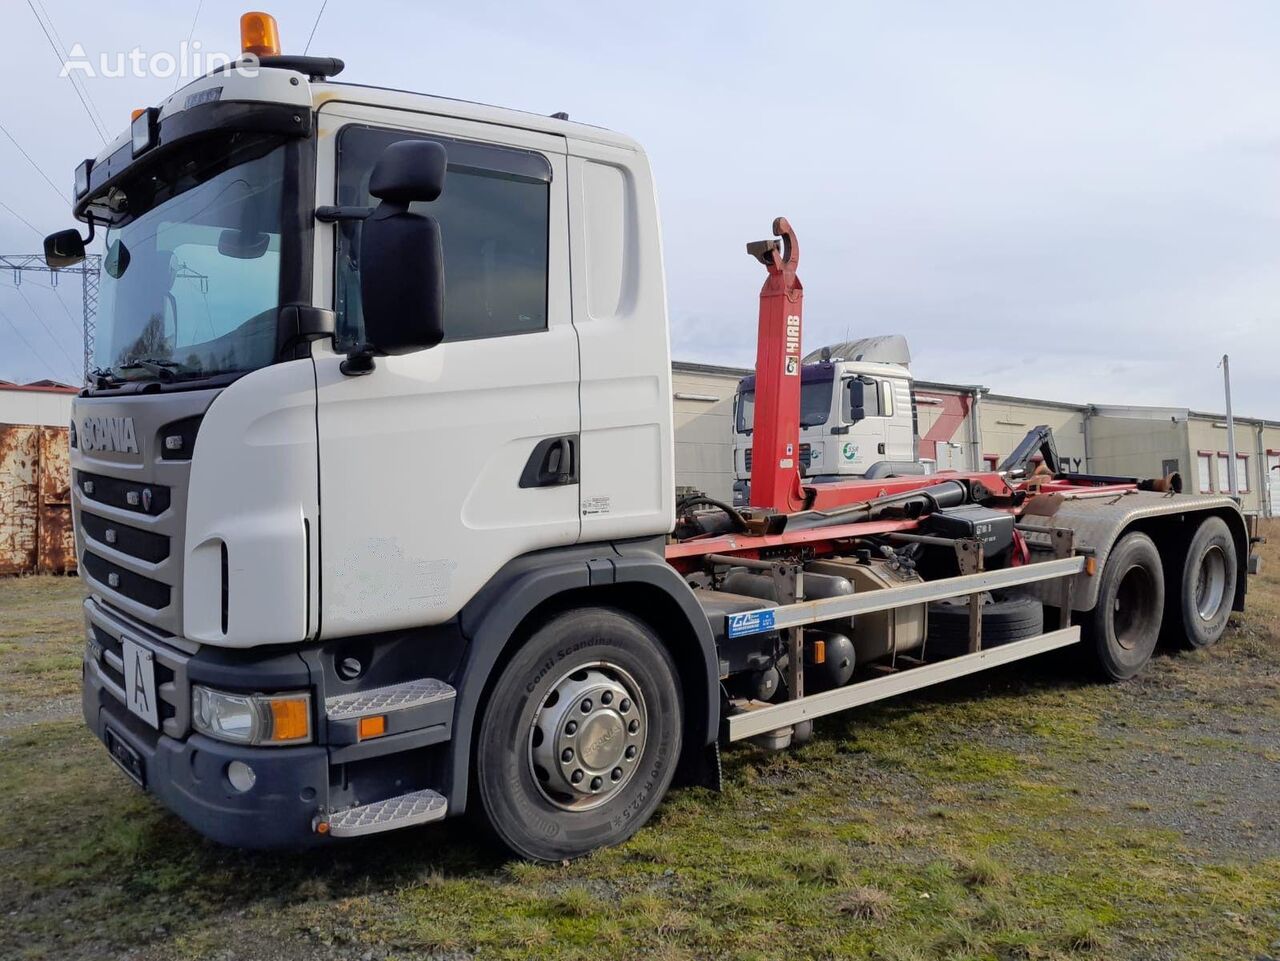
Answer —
258 719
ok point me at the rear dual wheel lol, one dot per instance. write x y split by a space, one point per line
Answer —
1124 625
1198 614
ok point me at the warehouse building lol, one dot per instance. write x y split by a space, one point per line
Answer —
967 427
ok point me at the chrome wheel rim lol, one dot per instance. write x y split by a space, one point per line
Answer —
1211 583
587 736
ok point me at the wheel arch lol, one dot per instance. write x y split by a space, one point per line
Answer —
527 591
1169 520
1172 534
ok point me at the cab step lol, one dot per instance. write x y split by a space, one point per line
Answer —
416 807
405 696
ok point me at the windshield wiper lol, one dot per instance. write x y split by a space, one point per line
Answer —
164 369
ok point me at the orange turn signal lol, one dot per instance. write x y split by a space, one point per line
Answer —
137 112
289 720
259 34
819 652
1090 566
374 726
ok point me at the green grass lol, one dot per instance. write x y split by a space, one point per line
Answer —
41 639
971 822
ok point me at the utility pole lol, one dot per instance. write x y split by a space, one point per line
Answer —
90 271
1231 428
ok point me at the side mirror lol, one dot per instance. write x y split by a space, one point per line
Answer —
401 256
64 249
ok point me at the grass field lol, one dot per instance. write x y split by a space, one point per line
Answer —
1026 814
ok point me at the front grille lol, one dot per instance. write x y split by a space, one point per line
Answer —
805 457
172 687
150 499
141 544
144 590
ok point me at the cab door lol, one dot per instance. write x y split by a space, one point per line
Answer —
442 465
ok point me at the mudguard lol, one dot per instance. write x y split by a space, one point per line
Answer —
490 619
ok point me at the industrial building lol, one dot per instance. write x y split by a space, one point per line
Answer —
966 427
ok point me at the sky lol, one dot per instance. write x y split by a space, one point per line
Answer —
1076 201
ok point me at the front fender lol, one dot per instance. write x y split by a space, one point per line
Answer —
497 612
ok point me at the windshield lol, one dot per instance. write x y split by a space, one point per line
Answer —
815 406
191 283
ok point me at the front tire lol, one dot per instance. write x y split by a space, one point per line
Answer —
1198 615
1124 624
580 737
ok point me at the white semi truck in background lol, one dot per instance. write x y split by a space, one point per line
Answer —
858 415
374 498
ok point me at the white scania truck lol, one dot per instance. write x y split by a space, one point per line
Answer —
374 502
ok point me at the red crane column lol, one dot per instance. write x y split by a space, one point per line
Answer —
775 443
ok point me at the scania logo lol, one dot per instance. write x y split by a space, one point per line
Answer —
108 434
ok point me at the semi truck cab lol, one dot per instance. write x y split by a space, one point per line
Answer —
284 502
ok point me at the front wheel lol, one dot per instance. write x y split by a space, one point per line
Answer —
580 737
1124 625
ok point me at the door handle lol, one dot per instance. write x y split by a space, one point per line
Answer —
553 462
880 447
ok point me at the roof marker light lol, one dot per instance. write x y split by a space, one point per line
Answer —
259 34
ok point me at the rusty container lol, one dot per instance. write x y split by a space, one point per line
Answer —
36 535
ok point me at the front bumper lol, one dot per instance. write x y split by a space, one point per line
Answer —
189 776
295 788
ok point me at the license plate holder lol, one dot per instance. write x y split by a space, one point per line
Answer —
126 758
140 681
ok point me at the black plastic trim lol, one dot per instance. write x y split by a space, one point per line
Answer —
180 128
144 545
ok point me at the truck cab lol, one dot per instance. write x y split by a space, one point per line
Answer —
292 480
857 415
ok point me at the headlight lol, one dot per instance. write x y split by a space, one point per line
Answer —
265 719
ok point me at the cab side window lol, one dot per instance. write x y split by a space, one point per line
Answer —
494 220
863 397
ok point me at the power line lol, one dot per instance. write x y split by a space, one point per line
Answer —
190 33
40 320
62 47
14 327
35 166
33 227
94 118
305 49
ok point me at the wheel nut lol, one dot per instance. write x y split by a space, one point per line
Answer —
633 726
577 777
624 705
616 774
606 697
567 755
631 752
595 783
571 727
586 706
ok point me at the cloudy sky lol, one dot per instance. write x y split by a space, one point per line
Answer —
1070 200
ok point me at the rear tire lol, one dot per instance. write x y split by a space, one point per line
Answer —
1197 615
1124 625
580 737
